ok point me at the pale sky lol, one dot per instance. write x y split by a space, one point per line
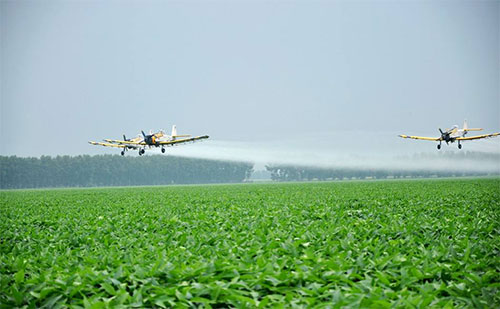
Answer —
339 76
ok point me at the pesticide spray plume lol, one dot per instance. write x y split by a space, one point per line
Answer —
484 158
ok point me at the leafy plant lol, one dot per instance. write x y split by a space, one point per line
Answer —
364 244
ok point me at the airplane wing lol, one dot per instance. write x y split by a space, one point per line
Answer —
132 143
435 139
108 145
119 141
470 138
115 141
185 140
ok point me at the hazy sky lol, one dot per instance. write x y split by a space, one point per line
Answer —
332 76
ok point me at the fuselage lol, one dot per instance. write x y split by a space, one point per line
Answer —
454 133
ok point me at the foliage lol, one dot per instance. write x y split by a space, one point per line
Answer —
114 170
431 243
452 162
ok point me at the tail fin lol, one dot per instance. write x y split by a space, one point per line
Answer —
466 127
175 135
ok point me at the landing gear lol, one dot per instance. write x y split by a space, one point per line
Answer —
439 146
459 145
162 150
123 153
141 152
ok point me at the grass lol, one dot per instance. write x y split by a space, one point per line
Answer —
363 244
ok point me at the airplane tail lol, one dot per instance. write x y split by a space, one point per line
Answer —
174 133
466 127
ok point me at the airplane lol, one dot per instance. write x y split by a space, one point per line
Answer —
452 135
158 139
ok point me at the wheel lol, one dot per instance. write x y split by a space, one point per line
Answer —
163 150
439 146
143 151
123 153
459 146
140 152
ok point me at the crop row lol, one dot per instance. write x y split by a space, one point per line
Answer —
368 244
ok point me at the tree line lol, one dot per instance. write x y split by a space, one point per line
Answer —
301 173
283 172
114 170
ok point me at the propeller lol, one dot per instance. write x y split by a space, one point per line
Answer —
445 136
148 138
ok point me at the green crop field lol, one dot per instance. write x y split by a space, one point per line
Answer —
363 244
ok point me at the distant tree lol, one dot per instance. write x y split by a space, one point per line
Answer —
281 172
114 170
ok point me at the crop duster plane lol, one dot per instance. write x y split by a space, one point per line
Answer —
452 135
158 139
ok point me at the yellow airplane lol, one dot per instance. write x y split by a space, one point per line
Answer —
158 139
452 135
